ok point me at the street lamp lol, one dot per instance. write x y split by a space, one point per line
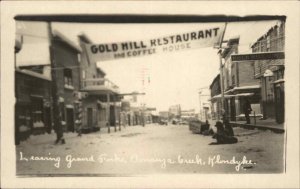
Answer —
268 73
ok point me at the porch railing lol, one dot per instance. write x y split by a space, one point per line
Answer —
99 82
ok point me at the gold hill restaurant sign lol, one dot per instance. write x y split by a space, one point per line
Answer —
189 40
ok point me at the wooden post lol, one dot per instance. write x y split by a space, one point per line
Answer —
221 76
17 135
55 98
254 118
119 119
143 115
108 112
115 109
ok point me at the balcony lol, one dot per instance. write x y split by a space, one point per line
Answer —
98 86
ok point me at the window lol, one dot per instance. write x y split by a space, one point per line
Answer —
94 83
79 57
262 47
37 112
258 48
68 77
268 43
83 74
233 80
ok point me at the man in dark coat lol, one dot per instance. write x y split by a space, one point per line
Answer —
247 110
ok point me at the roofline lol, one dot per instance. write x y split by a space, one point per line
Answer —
102 71
214 81
261 37
85 38
33 74
30 65
230 46
143 18
67 41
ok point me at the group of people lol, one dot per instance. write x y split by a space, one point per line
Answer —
224 133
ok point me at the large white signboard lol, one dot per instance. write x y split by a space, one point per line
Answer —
184 41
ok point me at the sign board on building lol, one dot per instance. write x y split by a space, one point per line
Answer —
258 56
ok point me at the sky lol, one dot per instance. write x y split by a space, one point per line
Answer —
169 78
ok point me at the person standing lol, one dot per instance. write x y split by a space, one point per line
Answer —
247 110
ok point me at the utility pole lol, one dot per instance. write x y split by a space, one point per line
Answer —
115 113
18 47
108 112
221 76
143 115
55 98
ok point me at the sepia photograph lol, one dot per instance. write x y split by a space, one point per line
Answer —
139 95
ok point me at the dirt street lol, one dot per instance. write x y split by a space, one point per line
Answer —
152 149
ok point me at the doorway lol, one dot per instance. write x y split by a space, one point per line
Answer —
47 119
129 120
232 109
70 120
112 116
90 117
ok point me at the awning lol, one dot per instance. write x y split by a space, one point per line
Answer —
279 81
219 96
230 96
102 104
33 74
243 88
245 94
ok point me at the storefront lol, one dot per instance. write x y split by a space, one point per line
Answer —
33 105
100 104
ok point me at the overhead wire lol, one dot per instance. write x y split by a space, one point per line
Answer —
32 35
45 37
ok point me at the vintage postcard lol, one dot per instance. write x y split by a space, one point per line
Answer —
101 95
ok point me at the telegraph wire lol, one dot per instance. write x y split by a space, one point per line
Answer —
58 39
32 35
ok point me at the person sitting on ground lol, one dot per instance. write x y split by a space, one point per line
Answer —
222 137
228 129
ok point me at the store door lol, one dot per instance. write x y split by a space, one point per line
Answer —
47 119
90 117
129 120
279 102
112 116
232 109
70 119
